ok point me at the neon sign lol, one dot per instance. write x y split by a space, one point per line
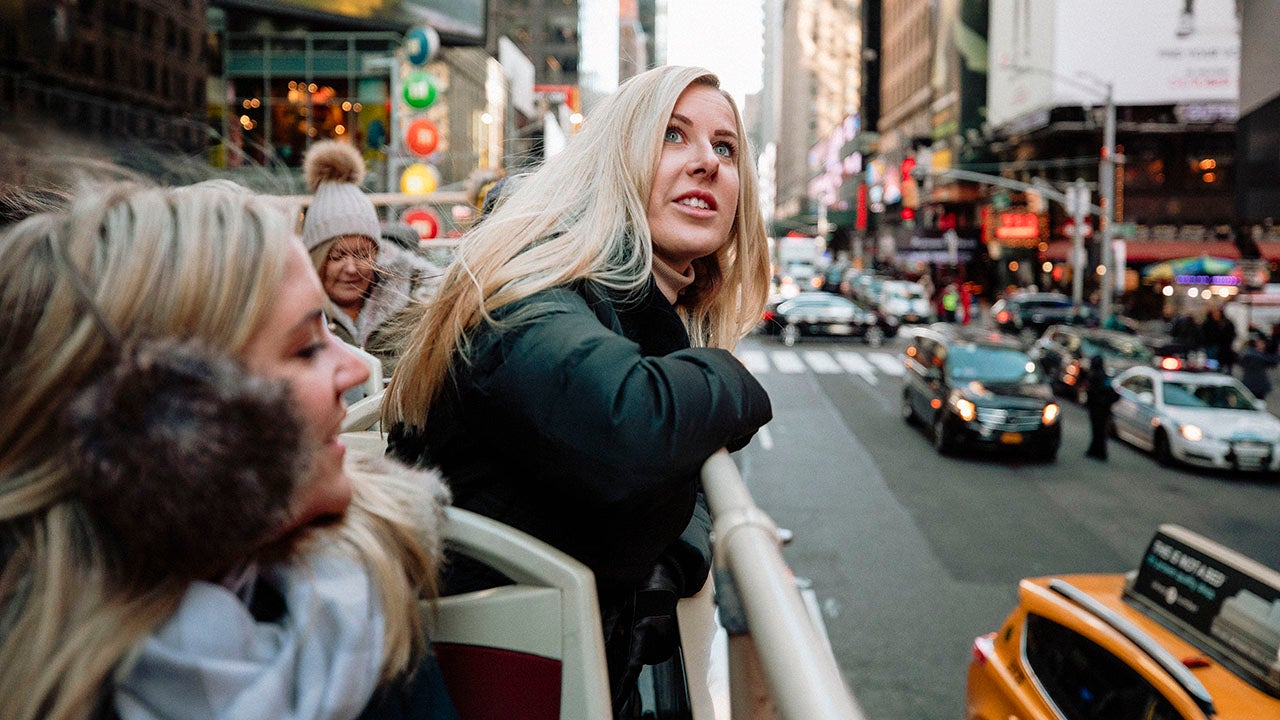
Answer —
1206 280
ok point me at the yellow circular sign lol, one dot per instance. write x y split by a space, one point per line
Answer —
419 179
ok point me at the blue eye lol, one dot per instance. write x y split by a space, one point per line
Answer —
672 135
725 149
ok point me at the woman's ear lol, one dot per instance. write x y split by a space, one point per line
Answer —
184 460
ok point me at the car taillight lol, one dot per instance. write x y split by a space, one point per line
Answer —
769 315
1003 316
983 649
1170 363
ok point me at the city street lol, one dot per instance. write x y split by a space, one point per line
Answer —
912 555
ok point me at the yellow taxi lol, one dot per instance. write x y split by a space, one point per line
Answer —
1194 633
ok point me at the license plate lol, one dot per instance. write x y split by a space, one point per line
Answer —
1011 438
1253 448
840 329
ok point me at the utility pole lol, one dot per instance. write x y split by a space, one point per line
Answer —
1077 204
1107 189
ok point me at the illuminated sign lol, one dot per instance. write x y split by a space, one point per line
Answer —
1206 280
1017 228
566 95
460 22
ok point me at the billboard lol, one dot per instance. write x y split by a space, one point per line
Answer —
459 22
1051 53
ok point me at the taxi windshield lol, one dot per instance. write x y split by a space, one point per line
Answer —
990 365
1189 394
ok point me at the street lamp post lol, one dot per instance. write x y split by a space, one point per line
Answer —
1106 175
1107 189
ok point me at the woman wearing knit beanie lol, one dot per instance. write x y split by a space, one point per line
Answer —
372 284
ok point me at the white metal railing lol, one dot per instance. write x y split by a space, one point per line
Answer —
800 673
780 661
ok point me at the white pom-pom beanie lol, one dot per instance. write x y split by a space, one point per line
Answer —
339 207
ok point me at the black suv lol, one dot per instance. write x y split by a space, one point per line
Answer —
978 389
1027 314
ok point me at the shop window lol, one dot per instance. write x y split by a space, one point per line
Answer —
1085 681
1208 171
1144 169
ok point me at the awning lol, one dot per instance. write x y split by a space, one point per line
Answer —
1199 266
1148 251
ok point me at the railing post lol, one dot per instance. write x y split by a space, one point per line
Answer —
799 671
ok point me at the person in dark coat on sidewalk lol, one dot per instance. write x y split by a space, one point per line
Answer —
573 372
1099 401
1255 363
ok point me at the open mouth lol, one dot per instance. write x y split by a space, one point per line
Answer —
698 201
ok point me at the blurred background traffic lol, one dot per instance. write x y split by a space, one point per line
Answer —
1042 180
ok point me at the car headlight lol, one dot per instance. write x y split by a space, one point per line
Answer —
966 409
1192 433
1049 415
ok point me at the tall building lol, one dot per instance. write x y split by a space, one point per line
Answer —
109 70
1258 141
635 53
818 87
1171 73
906 62
547 32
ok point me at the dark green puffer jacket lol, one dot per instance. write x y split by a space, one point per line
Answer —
587 428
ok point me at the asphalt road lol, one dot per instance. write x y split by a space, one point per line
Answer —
913 555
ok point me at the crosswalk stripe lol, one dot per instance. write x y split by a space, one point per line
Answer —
889 364
858 365
755 361
821 362
787 362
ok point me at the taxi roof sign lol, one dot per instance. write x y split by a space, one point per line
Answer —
1220 600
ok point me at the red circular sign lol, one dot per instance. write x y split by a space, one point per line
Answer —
422 220
422 137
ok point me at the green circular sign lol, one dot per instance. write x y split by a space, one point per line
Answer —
419 90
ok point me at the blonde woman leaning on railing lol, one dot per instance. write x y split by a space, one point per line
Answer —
573 370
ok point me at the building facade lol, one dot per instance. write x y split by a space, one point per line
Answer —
106 70
818 87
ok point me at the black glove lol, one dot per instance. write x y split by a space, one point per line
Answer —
655 634
652 635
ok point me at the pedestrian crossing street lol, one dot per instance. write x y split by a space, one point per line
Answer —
868 366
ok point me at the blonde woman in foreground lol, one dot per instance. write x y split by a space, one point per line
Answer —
574 370
181 535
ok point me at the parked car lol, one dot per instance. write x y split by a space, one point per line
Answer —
1028 314
1064 353
1192 634
865 288
813 314
1204 419
906 301
978 389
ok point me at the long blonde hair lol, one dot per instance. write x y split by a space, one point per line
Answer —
582 217
135 263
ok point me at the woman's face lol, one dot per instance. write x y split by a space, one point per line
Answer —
695 192
294 344
348 270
